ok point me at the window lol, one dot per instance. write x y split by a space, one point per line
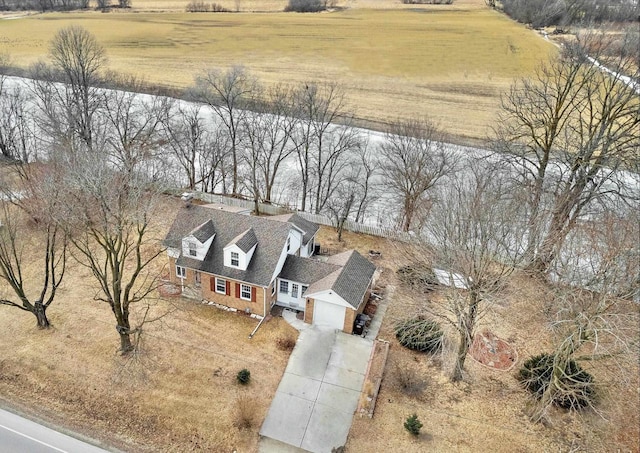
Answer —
288 244
284 287
304 290
294 290
192 249
245 292
181 272
221 286
235 259
273 288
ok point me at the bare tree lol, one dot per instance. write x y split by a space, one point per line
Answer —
412 163
108 216
341 206
319 152
17 141
133 126
199 152
78 59
230 94
597 270
471 233
568 132
278 128
20 226
368 167
268 141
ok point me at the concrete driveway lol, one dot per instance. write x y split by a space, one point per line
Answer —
318 394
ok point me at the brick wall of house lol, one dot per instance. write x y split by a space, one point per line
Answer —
233 300
308 311
350 316
189 279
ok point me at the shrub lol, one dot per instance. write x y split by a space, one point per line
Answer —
413 425
199 6
245 410
285 343
418 276
409 381
243 376
306 6
576 385
420 334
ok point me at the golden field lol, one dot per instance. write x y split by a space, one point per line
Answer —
450 63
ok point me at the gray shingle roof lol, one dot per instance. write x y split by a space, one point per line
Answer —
271 237
353 281
306 270
350 281
309 228
247 240
204 231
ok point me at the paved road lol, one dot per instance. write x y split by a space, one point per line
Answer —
19 435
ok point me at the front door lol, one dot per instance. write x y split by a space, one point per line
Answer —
198 279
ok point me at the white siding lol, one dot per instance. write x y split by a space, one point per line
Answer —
200 248
243 258
286 299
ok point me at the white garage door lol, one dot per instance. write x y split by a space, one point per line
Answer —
328 315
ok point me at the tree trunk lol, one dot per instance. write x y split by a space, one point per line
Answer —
466 327
125 343
41 315
465 343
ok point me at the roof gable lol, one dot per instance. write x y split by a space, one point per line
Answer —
204 231
245 241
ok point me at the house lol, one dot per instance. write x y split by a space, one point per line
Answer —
252 263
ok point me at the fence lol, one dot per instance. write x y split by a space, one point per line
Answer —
320 219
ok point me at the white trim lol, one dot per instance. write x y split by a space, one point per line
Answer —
242 288
224 284
237 259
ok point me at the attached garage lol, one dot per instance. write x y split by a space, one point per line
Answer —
326 314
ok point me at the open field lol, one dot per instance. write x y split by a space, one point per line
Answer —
487 412
447 62
179 395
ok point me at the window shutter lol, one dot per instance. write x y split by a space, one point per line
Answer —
228 288
237 290
253 294
212 284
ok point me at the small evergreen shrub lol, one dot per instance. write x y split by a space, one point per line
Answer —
243 376
413 425
577 385
420 334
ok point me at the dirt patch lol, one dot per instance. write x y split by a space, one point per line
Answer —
493 352
169 290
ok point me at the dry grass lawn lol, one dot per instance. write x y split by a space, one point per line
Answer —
180 394
448 62
487 412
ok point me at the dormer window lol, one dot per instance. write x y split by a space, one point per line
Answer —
193 249
235 259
